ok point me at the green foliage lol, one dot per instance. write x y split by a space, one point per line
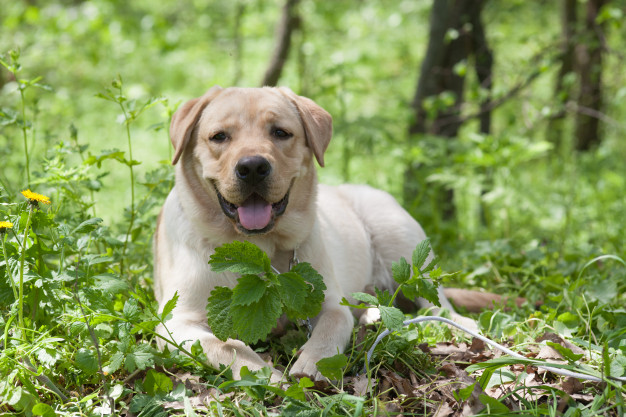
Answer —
412 283
333 367
250 310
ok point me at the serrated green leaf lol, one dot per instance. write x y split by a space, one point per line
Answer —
47 356
315 294
345 302
115 362
332 368
428 290
169 306
401 271
240 258
421 253
293 291
255 321
365 298
88 225
140 358
435 273
156 383
391 317
249 289
131 310
86 361
384 297
110 284
218 313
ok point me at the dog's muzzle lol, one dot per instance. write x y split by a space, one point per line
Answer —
255 215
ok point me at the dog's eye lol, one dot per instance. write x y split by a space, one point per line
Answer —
219 137
281 134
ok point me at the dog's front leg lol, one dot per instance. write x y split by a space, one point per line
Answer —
332 331
232 352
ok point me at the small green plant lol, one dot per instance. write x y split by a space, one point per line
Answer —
13 65
131 110
250 310
413 283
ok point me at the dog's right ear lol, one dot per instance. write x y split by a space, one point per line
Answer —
185 119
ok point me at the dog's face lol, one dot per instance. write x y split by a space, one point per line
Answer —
251 149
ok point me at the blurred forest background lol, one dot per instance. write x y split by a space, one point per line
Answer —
491 121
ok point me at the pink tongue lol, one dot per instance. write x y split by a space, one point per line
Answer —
255 213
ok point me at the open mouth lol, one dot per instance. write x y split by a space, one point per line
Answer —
255 215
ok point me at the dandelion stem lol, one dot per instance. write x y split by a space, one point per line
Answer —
8 268
24 133
22 258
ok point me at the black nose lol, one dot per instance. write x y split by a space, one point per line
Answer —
253 169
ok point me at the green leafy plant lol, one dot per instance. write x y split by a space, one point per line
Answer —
131 110
412 282
250 310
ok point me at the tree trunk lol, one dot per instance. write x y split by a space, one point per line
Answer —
456 33
288 23
483 65
562 91
589 69
240 9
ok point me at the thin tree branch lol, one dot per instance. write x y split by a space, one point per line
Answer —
288 23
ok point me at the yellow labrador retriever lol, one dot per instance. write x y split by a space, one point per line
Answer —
245 170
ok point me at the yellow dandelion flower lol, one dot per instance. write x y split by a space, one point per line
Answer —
5 225
35 198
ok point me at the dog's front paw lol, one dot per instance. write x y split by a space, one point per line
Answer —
306 365
465 321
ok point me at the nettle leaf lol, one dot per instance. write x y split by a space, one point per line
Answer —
315 294
366 298
332 368
427 289
432 267
293 291
384 297
392 317
240 258
249 289
401 271
253 322
421 253
218 309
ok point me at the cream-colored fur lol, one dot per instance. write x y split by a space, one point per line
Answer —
350 234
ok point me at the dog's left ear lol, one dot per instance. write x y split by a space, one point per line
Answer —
318 123
185 119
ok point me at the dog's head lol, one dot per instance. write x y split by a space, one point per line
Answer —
249 147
